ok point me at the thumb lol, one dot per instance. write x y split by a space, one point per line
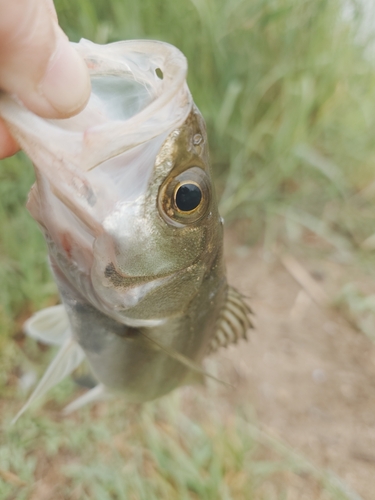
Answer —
37 63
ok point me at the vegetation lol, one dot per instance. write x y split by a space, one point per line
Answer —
288 95
180 447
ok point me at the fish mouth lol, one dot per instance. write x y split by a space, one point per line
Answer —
100 131
75 154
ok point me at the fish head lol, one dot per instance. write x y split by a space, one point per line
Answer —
124 193
156 250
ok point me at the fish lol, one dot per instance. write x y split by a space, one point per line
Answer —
125 200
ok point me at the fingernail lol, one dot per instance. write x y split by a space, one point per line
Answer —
66 83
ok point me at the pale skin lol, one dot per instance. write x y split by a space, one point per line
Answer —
38 65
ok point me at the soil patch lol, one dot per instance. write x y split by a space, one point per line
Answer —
309 375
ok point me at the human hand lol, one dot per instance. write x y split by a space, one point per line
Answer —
38 65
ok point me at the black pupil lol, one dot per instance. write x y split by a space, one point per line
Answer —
188 197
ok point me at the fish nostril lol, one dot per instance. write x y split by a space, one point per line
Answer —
197 139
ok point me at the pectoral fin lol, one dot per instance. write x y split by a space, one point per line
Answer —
184 360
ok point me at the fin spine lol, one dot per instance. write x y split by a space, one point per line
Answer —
233 322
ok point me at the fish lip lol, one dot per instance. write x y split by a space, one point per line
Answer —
67 159
174 81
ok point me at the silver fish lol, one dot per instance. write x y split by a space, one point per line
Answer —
125 200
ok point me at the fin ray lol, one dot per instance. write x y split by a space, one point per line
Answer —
233 322
49 326
97 393
184 360
67 359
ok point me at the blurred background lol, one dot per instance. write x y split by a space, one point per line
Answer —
287 89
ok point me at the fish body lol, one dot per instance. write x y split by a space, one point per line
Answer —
125 199
166 278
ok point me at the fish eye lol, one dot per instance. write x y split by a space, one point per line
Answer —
185 198
188 196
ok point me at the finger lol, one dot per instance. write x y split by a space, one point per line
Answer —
37 63
8 145
51 9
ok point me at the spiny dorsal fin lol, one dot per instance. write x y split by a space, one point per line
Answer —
233 322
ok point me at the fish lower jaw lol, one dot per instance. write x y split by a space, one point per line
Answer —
137 322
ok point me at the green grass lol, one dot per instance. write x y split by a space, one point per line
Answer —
169 449
287 96
289 101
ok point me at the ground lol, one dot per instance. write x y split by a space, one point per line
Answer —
301 402
308 373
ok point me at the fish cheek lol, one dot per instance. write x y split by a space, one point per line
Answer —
186 246
161 252
157 249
